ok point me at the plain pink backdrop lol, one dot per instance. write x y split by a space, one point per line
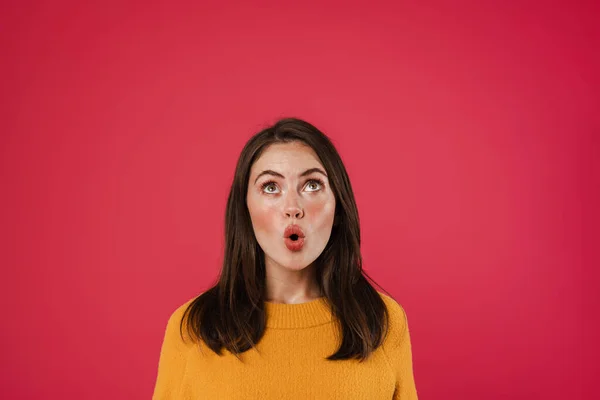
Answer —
468 129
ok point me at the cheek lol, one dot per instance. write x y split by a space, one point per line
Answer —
323 212
262 216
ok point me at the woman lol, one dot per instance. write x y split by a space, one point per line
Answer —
292 315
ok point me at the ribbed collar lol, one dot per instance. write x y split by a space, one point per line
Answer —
302 315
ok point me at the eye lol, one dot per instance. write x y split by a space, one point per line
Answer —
265 187
315 183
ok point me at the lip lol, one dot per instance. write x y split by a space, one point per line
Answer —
293 245
293 230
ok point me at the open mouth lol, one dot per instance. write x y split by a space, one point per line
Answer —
294 237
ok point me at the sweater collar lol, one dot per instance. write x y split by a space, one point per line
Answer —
301 315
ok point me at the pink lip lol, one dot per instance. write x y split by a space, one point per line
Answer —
293 230
293 245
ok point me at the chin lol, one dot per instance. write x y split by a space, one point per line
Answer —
290 263
296 266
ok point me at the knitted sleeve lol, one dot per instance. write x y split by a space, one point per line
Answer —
399 352
173 359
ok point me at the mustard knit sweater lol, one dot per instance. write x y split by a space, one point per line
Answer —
288 362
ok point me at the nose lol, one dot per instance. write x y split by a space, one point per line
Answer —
294 212
291 208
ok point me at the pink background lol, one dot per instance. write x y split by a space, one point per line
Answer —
469 130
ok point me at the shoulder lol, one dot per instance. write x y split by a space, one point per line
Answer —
393 306
177 314
398 323
176 325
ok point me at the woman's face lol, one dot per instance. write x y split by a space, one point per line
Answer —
280 193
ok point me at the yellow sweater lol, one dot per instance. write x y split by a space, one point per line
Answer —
288 362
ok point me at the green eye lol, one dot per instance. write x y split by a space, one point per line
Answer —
267 185
316 182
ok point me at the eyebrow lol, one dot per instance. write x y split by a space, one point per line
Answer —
274 173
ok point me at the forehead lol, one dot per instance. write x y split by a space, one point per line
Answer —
286 156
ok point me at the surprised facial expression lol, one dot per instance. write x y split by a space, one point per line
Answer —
288 185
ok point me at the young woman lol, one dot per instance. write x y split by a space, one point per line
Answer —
292 315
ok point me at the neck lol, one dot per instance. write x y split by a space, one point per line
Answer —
287 286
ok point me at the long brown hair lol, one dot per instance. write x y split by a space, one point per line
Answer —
232 314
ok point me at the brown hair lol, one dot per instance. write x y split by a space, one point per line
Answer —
231 314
